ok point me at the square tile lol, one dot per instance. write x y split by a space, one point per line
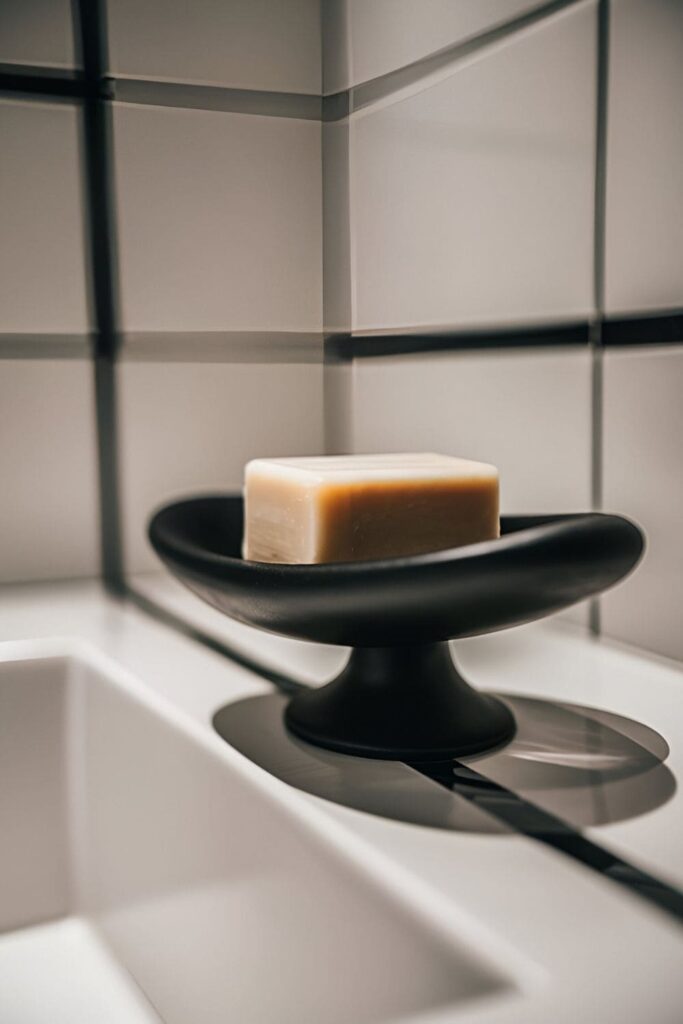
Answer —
643 478
247 44
220 220
42 269
191 427
49 525
36 32
644 211
473 196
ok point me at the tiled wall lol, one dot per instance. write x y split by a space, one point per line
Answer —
220 240
215 247
529 173
486 203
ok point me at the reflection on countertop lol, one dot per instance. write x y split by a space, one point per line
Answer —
586 766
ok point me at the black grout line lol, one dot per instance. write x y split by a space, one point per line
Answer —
599 215
44 72
601 158
344 347
597 434
664 327
33 86
31 81
530 820
90 36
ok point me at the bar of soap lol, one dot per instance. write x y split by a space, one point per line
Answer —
344 508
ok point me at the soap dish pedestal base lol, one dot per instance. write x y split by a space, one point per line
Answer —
405 703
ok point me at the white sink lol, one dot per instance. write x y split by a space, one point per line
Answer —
148 872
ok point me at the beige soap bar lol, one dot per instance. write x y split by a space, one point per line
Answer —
343 508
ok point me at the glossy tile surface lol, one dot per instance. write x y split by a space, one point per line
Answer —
36 32
248 44
219 220
190 428
644 270
42 271
643 427
367 38
472 197
48 513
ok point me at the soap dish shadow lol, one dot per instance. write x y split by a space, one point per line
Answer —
585 766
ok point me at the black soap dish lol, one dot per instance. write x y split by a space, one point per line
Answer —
400 696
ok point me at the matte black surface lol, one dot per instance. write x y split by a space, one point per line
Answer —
54 83
400 703
532 821
540 565
400 696
650 329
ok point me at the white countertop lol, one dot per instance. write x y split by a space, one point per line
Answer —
587 948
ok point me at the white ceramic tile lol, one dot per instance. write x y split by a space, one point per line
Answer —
219 220
189 428
644 213
48 511
248 44
42 272
526 412
473 197
367 38
36 32
643 424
